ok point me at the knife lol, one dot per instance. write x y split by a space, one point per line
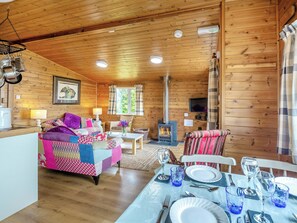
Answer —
165 210
246 218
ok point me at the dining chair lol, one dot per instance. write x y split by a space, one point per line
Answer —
278 165
203 142
217 160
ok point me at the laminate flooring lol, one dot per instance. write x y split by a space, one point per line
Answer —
66 197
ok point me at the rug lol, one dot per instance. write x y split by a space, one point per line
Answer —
145 159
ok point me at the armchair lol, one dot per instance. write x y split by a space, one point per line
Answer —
114 124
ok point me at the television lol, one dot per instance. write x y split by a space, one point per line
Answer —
198 104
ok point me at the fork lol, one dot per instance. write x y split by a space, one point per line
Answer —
231 180
210 189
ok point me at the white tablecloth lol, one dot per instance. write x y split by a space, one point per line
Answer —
146 207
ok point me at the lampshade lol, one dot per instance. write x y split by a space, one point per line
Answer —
97 111
38 114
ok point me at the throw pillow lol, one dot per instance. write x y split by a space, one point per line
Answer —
59 122
72 121
89 122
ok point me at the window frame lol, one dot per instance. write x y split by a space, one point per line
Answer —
129 100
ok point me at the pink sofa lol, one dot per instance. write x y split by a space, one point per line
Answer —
64 152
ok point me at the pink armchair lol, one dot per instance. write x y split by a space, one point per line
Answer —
65 153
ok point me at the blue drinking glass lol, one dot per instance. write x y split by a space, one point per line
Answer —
280 195
235 197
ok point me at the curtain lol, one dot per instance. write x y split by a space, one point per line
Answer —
139 99
112 102
287 126
212 102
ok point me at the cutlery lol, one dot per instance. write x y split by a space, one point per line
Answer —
295 215
231 180
246 218
164 211
239 220
189 194
210 189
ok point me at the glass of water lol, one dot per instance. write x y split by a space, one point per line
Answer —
250 168
163 157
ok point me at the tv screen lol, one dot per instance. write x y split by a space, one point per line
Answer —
198 104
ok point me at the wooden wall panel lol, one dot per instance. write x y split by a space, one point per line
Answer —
250 78
36 90
179 94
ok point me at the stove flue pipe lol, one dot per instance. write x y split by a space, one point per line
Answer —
166 99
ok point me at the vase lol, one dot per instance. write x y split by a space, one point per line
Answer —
124 131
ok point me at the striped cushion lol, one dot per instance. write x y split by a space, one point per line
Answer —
205 142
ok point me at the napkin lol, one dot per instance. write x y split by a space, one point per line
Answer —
252 213
162 181
255 197
221 183
293 197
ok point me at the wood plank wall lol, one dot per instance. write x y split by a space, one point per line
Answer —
36 90
179 94
250 78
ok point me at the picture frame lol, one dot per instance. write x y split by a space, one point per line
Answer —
66 90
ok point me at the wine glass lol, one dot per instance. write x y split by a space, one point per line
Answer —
265 185
163 157
250 168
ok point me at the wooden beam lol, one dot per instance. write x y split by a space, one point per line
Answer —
113 24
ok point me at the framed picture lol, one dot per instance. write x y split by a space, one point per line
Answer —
66 91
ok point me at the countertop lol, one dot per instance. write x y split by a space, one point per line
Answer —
18 130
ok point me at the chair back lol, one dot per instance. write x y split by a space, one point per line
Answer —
205 142
279 165
206 159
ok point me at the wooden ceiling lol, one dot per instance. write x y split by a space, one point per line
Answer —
125 33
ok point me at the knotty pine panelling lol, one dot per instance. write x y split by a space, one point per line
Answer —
250 78
36 90
179 94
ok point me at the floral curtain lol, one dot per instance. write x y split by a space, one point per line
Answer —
112 102
212 102
287 126
139 99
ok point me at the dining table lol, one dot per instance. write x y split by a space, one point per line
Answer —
148 204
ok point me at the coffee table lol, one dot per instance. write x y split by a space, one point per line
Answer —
130 137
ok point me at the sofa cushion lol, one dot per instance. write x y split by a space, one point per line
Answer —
62 129
72 120
100 145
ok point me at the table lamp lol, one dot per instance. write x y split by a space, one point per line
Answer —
97 112
38 115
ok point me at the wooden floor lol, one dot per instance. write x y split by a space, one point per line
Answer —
65 197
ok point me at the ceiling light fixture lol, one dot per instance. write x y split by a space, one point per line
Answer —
178 33
208 30
101 63
156 59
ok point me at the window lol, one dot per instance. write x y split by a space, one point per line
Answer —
126 101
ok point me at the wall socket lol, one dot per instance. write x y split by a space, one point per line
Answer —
17 96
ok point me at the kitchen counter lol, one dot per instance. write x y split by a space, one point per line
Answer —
18 130
18 169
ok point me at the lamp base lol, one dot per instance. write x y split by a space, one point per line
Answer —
38 123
